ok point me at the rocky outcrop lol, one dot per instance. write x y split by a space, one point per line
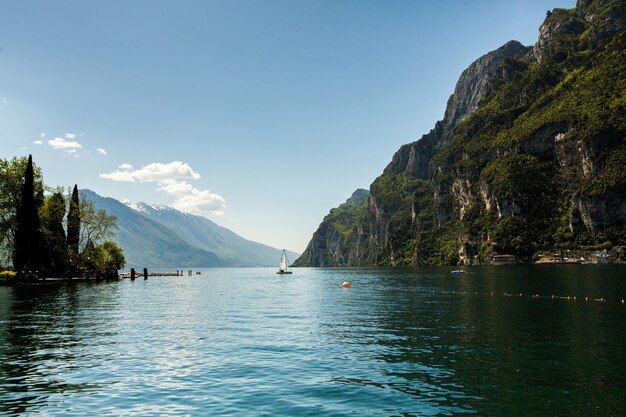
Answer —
414 159
591 24
473 85
593 212
336 242
559 24
358 197
605 19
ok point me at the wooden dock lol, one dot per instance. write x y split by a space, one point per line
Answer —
35 278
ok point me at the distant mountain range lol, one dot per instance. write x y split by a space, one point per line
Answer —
161 236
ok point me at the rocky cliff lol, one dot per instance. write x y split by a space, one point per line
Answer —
336 241
530 154
414 159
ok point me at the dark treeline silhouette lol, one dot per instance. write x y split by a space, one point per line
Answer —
28 251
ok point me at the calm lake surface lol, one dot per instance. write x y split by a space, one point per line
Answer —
399 342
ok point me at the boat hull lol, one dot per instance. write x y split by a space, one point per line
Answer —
283 272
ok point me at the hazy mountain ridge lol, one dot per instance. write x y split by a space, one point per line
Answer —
161 236
207 235
530 154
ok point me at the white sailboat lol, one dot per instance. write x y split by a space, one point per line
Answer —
282 268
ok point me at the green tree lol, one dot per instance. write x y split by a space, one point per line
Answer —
514 235
91 258
11 184
55 243
73 228
113 258
105 259
95 225
27 251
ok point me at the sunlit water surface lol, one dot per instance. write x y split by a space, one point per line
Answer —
399 342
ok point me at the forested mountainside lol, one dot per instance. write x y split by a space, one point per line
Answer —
530 155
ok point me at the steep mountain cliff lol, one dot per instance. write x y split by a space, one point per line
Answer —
530 154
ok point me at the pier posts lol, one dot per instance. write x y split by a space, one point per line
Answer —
145 274
132 274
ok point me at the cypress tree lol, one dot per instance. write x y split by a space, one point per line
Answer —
28 253
73 227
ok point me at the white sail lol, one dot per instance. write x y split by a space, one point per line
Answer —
283 262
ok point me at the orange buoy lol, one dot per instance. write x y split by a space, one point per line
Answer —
346 284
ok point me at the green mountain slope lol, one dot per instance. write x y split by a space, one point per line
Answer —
337 235
530 155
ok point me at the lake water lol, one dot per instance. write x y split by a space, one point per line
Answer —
399 342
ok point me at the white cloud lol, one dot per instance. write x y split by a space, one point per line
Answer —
101 151
71 136
172 179
174 187
153 172
60 143
120 176
191 200
38 142
42 135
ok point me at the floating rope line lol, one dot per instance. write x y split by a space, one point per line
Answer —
553 296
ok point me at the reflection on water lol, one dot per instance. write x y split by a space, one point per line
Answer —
45 342
244 341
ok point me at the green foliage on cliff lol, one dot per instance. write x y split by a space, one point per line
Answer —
345 219
540 163
611 176
551 136
525 180
337 235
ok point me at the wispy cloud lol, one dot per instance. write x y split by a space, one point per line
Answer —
70 136
172 178
38 142
101 151
4 100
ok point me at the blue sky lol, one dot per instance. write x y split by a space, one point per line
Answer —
261 115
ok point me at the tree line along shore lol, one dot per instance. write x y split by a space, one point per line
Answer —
48 233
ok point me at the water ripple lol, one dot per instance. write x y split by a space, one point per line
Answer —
245 342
